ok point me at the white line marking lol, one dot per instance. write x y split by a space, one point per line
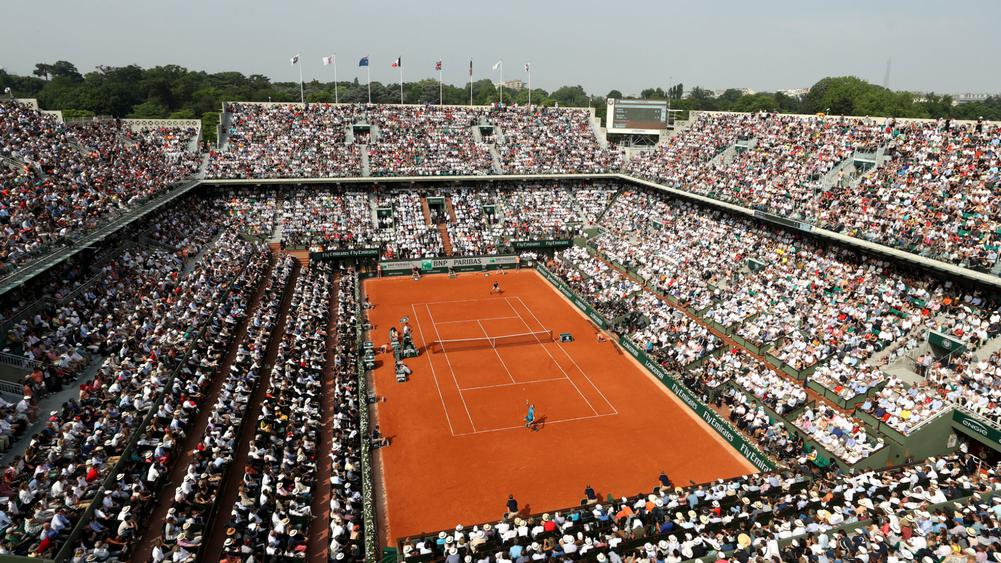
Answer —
455 301
569 357
449 363
553 358
474 320
494 348
513 384
548 422
433 374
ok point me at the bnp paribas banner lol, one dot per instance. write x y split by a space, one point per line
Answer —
435 265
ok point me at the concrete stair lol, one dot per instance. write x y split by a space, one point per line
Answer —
991 346
365 170
446 241
373 206
426 210
495 157
225 122
450 209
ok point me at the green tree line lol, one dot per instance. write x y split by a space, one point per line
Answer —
173 91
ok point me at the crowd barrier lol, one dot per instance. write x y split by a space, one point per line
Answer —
367 483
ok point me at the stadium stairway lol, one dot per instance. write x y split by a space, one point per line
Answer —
495 157
365 170
426 210
450 209
446 241
989 347
153 526
318 548
225 122
599 132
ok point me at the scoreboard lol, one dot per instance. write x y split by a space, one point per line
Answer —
636 117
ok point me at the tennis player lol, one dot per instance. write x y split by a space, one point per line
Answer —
496 288
530 417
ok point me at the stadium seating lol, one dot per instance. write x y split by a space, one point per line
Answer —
904 514
59 181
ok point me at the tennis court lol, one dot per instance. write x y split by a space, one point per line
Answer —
459 445
491 357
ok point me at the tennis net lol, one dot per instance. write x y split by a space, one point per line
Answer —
458 344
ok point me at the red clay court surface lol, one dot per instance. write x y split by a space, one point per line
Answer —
458 441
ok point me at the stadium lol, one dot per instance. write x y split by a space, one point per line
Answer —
509 331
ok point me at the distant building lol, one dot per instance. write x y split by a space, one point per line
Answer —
795 92
514 84
969 97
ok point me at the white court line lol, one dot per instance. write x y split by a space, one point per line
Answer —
522 427
433 374
553 358
455 301
449 363
569 357
513 384
474 320
494 348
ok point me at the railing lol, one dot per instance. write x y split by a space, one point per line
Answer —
367 483
21 362
65 250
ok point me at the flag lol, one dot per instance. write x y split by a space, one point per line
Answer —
397 63
294 60
327 61
437 65
363 61
528 67
497 65
470 69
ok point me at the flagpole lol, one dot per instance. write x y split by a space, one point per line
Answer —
401 82
470 82
441 90
368 70
502 83
302 95
336 101
529 87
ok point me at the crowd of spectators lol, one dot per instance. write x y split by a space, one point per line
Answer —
273 513
346 503
546 140
58 181
426 141
942 508
152 318
323 140
842 435
204 477
287 141
935 195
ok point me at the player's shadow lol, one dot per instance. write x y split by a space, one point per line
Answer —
540 423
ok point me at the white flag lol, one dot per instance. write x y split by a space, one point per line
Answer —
497 65
528 67
294 60
327 61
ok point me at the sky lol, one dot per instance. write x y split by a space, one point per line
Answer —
766 45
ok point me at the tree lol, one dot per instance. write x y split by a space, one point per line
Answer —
614 94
